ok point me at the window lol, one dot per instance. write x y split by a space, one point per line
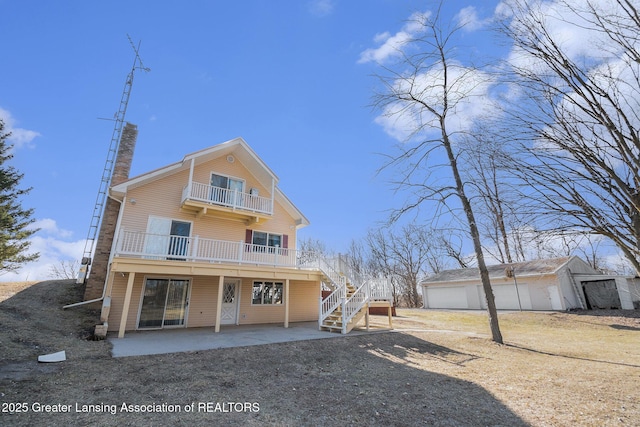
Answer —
266 239
226 190
267 293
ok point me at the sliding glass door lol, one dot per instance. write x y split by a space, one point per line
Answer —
164 303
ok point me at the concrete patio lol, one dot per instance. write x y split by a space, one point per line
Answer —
142 343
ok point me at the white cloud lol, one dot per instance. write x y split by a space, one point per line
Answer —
19 137
469 20
49 226
392 45
573 34
321 8
469 100
54 245
603 60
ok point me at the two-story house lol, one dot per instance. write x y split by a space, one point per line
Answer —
210 241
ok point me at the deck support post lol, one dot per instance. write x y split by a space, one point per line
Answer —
219 303
126 304
286 303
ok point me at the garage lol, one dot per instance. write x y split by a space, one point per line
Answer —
508 298
545 284
446 297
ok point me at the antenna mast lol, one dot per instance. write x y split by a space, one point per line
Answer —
105 182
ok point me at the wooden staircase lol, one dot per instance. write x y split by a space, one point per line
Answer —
351 296
334 321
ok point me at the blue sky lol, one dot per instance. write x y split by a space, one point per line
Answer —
293 78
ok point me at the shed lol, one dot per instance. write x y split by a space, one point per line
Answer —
547 284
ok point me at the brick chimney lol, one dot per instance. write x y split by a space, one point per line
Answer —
98 273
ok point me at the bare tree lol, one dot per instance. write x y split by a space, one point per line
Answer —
406 255
309 249
579 112
65 269
425 93
497 213
381 259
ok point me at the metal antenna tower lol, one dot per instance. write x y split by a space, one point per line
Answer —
105 182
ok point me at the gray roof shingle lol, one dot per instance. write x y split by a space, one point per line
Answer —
528 268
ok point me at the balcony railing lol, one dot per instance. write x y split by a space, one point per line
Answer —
165 247
233 199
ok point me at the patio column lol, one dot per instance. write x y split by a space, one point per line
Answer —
219 303
366 317
125 306
286 303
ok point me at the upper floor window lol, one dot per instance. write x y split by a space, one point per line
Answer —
226 190
267 239
227 182
262 241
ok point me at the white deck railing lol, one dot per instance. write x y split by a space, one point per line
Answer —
368 289
233 199
139 244
164 247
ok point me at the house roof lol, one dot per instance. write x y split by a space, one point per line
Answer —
528 268
240 150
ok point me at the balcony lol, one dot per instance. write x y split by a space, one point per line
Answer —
135 244
203 199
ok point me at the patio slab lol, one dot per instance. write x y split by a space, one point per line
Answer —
142 343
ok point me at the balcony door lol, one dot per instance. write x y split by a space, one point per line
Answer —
168 238
226 190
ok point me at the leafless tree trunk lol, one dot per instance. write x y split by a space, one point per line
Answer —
426 93
382 260
485 171
404 254
579 112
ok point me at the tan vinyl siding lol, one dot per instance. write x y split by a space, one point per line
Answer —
159 198
304 301
202 174
162 198
202 302
303 304
251 314
201 311
117 301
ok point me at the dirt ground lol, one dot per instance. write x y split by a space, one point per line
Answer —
436 368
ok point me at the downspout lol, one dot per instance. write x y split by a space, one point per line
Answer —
113 245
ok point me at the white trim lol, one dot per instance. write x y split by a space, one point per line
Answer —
238 283
121 189
239 298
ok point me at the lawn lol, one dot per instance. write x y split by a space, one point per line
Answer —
436 368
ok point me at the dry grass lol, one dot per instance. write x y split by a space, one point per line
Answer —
436 368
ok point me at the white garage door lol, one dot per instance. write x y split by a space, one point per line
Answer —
506 297
453 297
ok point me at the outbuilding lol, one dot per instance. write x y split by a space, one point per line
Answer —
547 284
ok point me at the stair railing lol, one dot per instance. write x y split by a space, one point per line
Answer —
339 284
352 305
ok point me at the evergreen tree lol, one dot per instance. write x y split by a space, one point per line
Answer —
14 220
